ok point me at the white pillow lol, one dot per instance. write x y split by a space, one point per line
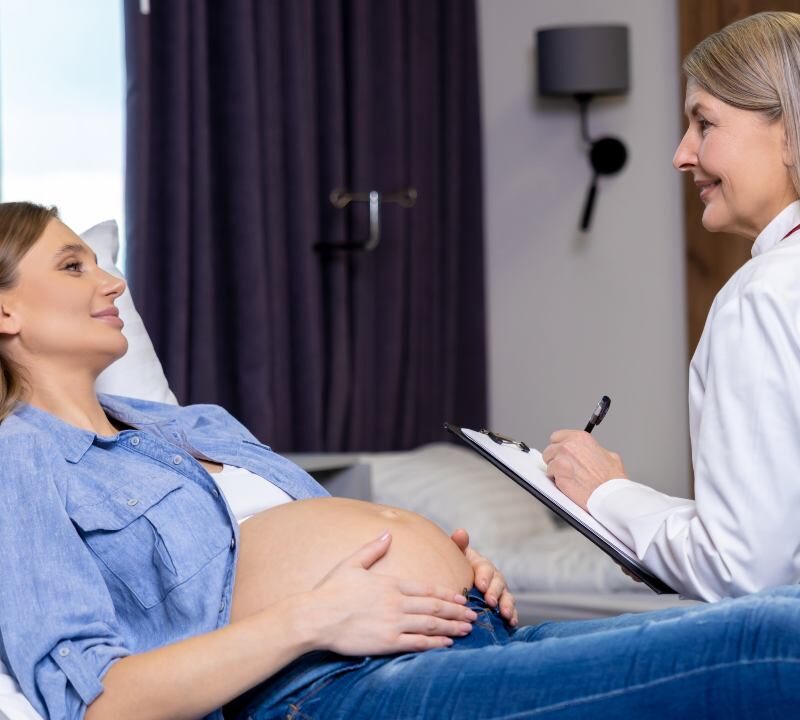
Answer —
138 373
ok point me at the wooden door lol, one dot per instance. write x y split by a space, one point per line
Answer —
711 258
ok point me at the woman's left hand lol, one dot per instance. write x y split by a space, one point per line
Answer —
579 465
488 579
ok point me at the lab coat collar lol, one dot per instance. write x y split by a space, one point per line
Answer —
784 222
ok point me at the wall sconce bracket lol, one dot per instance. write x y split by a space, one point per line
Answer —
582 61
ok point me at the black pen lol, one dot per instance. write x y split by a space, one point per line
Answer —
599 413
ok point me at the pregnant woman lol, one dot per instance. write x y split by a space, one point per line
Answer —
128 590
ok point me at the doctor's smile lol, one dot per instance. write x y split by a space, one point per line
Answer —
706 187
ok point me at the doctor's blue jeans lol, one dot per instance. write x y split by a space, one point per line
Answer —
732 659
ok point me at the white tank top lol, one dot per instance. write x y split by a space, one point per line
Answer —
248 493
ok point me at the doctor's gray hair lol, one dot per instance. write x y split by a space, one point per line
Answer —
21 225
754 64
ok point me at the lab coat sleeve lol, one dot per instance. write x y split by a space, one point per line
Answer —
740 534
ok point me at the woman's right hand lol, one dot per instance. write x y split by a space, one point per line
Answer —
357 612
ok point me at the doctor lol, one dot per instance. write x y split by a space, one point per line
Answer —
742 148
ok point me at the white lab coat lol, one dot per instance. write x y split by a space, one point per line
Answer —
741 533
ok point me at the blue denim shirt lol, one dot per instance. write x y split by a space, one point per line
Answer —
116 545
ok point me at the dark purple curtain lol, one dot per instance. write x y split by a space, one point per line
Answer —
242 117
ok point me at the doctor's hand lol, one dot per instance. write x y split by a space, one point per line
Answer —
353 611
578 464
488 579
630 574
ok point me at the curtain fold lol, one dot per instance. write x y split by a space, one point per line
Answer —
242 117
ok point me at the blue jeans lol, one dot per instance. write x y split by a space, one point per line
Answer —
733 659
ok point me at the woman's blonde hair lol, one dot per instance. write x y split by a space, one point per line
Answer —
754 64
21 225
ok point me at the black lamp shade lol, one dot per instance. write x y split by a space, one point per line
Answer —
583 60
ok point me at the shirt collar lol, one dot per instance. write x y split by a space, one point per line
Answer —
776 230
74 441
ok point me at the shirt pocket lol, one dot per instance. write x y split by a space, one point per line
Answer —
148 538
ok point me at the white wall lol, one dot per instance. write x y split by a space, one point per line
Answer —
571 316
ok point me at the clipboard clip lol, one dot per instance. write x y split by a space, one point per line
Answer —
505 440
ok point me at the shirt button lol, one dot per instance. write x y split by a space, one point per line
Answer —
215 492
177 460
233 543
63 652
132 501
135 440
222 606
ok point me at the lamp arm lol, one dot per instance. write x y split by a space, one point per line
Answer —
583 104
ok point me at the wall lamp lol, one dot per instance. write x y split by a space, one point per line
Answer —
582 61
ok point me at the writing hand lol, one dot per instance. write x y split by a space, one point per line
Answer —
578 464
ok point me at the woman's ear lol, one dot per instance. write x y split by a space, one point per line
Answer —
9 320
788 156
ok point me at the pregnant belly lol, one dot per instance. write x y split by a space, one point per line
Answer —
290 548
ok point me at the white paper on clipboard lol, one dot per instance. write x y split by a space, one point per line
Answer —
531 468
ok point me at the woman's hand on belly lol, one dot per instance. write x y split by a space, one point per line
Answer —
488 579
357 612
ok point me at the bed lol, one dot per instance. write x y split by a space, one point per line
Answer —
554 572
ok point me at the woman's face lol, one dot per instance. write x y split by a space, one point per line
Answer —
739 161
62 307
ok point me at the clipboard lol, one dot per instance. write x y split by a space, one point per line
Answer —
525 467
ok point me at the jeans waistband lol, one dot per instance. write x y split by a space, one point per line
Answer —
477 601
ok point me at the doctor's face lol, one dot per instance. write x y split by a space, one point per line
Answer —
62 306
739 161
